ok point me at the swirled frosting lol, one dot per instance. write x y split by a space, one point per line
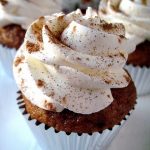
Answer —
72 61
133 14
24 12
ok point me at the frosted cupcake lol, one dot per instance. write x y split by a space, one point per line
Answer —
71 5
72 80
15 16
135 16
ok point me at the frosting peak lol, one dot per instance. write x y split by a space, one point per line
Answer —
71 58
24 12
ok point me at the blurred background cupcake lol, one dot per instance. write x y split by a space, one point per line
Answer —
135 15
70 5
72 80
15 17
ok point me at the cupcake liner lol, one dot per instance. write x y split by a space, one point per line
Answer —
6 59
49 138
141 78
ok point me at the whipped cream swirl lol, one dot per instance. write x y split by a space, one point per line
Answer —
72 61
134 14
24 12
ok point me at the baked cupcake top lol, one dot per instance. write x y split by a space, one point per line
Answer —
134 14
72 61
24 12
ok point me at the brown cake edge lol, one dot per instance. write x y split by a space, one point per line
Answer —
124 101
141 56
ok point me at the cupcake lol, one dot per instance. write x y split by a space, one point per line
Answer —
15 16
72 80
70 5
134 15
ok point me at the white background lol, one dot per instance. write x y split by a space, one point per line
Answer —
15 134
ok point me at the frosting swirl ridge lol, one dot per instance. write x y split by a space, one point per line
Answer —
76 59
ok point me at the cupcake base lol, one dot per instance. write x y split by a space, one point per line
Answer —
67 130
68 121
49 138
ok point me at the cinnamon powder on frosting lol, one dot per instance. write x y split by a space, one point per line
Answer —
40 83
37 28
127 78
31 47
49 106
18 60
51 94
64 100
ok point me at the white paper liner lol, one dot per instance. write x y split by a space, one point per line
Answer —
6 59
141 78
49 139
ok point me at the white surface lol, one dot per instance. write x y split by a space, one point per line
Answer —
15 134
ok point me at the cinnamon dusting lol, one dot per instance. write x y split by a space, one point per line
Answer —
64 100
60 17
121 37
103 10
107 26
19 70
51 94
18 60
78 58
40 83
49 106
31 47
51 36
107 81
74 29
122 55
127 78
37 28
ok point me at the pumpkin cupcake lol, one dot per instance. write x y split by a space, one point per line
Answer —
72 80
135 16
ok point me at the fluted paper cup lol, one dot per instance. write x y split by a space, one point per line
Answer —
141 78
48 138
6 59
